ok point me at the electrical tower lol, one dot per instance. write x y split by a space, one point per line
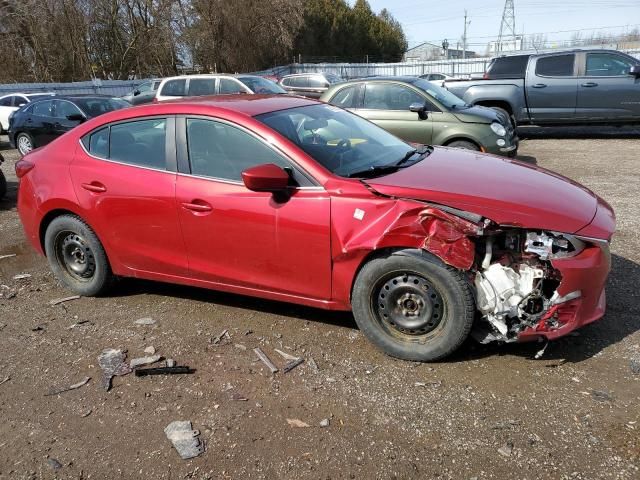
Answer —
507 26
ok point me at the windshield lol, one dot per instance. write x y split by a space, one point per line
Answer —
442 95
261 85
93 107
345 144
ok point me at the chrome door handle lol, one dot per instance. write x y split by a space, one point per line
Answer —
590 84
539 85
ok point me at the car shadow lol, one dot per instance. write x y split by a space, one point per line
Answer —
580 132
620 321
127 287
10 199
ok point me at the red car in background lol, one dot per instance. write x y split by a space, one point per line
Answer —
291 199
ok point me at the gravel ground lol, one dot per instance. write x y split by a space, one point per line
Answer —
490 412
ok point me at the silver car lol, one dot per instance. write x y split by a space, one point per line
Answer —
311 85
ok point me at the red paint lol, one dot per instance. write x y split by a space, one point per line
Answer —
308 247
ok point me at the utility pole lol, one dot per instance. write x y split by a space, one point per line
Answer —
464 36
507 25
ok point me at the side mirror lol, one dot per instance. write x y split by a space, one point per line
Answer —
420 109
76 117
265 178
635 71
136 92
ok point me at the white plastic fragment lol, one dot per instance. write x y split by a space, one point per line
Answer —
57 301
145 321
184 439
22 276
139 362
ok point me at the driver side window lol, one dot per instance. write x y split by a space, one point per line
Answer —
380 96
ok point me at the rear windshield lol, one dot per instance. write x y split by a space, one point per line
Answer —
513 66
93 107
261 85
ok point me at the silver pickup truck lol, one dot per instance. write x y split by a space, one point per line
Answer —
559 88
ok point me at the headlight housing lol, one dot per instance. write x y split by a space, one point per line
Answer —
498 129
553 245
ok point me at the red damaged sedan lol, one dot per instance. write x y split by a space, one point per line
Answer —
291 199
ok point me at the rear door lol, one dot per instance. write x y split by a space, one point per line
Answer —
552 88
200 86
39 123
124 177
606 91
387 105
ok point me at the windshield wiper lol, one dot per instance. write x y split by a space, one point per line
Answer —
374 170
423 152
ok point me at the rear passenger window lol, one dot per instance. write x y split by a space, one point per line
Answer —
174 88
299 82
513 66
230 86
202 86
139 143
556 66
346 98
218 150
97 143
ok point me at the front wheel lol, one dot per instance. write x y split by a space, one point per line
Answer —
413 307
464 144
77 257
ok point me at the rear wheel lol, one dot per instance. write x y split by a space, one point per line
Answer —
24 142
465 144
77 257
413 307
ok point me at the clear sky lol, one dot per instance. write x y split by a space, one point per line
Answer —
434 20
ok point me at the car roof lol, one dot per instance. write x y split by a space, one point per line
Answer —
248 104
391 78
79 96
304 74
51 94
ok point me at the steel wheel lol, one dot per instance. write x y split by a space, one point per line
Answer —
24 144
75 255
408 306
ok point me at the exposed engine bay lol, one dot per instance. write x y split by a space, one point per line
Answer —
515 281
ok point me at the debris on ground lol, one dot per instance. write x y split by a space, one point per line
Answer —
150 350
635 366
293 360
601 396
145 321
170 362
540 352
324 423
238 397
224 334
184 439
143 372
22 276
79 324
112 362
142 361
87 413
3 257
506 450
75 386
240 346
5 380
314 366
266 360
37 328
294 422
58 301
54 464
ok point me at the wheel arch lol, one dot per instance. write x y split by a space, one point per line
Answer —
464 138
503 104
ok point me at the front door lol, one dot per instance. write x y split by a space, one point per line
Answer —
124 178
387 105
606 91
62 109
238 237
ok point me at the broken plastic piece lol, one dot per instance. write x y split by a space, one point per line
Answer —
292 364
540 352
142 372
112 362
139 362
58 301
184 439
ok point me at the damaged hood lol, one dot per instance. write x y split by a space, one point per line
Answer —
479 114
504 190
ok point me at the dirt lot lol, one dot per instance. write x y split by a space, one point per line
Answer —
489 412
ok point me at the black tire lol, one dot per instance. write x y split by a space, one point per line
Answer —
430 333
3 185
465 144
510 116
76 256
26 137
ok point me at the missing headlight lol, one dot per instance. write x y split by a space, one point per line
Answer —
549 246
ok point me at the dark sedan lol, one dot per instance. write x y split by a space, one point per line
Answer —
42 121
